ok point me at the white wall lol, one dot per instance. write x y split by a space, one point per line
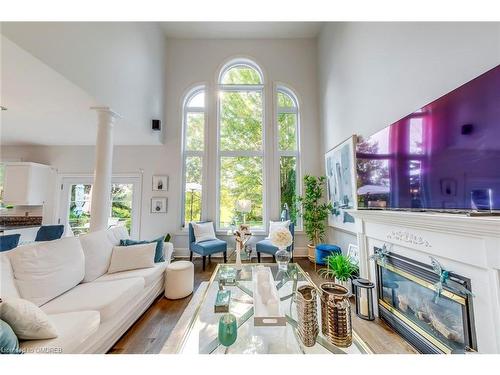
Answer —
120 64
188 62
372 74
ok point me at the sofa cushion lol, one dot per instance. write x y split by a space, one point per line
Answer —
7 284
150 275
44 270
26 319
8 340
106 297
159 250
73 328
97 247
117 234
125 258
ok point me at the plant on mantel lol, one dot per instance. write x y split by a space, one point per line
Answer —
314 211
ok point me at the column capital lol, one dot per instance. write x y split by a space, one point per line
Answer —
106 113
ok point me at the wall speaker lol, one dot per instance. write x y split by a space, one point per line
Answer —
156 125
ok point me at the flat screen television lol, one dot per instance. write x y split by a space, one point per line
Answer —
444 156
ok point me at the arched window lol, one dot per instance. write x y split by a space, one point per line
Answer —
193 153
287 120
240 145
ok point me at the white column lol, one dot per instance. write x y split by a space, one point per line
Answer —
101 189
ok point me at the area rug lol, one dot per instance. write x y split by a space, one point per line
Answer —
177 333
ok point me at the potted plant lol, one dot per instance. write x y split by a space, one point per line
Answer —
340 268
314 212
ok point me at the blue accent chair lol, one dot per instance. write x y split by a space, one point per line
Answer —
9 242
266 247
205 248
49 233
323 250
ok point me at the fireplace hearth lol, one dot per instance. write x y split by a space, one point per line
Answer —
407 301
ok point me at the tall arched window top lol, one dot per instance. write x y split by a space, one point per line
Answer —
286 99
241 72
195 98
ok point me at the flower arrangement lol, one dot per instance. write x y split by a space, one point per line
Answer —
281 238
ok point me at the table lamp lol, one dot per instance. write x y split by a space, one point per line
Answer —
244 206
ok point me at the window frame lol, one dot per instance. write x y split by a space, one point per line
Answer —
65 180
191 93
260 88
285 89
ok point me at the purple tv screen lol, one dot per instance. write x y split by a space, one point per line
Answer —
444 156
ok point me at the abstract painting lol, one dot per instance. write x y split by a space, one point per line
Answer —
341 184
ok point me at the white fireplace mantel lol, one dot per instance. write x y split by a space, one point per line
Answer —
469 246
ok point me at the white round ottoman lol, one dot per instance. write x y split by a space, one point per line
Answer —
179 279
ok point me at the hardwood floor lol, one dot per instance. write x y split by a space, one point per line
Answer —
150 332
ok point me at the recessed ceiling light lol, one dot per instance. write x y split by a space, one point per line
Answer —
3 108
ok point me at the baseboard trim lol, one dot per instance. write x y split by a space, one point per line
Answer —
298 252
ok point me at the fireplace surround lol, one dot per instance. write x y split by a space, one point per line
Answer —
468 247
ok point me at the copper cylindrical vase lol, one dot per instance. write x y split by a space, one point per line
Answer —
307 318
336 323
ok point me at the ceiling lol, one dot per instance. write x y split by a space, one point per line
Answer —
241 30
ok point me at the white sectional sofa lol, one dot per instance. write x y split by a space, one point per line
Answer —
68 280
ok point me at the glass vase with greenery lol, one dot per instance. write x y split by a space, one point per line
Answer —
314 211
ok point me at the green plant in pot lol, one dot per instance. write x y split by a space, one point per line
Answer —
340 268
314 212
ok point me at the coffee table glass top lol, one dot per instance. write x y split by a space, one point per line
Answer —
201 334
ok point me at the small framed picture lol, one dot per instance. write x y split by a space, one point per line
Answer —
353 253
159 205
160 183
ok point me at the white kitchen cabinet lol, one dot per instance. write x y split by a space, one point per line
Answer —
26 184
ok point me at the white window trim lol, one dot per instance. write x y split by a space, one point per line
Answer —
285 89
193 91
129 178
245 153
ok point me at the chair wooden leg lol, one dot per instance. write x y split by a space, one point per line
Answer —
274 259
225 256
209 258
190 256
258 257
204 259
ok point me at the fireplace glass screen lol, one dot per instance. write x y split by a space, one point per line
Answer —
408 300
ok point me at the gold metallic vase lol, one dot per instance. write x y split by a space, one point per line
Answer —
307 307
336 323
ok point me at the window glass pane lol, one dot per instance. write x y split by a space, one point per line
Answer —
287 129
241 178
288 185
241 75
79 208
198 100
416 136
284 100
193 192
121 205
195 123
241 121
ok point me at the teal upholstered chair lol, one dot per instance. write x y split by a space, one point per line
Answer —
265 246
205 248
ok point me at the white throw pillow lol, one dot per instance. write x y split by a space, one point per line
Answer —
97 247
126 258
45 270
26 319
203 231
273 225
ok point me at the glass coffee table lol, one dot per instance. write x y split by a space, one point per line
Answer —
201 334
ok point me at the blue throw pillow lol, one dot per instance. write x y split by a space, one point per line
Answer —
159 252
8 340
